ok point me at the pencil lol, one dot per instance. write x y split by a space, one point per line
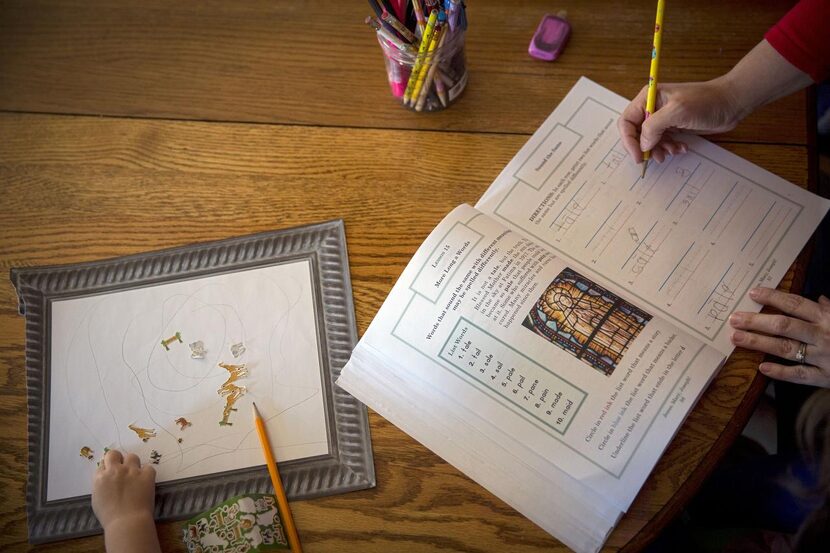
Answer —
430 61
282 501
419 60
652 76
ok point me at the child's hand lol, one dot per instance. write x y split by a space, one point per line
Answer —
123 494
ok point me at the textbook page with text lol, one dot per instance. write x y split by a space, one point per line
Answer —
550 342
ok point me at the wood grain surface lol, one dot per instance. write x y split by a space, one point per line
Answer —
79 188
314 62
133 126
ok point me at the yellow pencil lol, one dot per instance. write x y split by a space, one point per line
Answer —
652 76
419 60
429 62
282 501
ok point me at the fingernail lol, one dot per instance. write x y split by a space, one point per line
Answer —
754 293
738 336
764 368
736 319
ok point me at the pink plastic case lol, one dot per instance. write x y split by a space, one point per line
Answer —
550 38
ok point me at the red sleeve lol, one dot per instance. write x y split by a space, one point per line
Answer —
803 37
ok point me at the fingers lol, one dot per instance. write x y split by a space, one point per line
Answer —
660 153
791 304
780 347
633 125
629 125
800 374
653 128
149 471
112 457
667 148
674 147
822 300
776 326
132 460
629 135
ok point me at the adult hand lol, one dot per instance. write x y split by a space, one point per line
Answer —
761 76
701 108
802 322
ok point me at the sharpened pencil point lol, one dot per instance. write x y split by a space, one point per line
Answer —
645 165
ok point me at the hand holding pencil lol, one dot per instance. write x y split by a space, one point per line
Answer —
640 123
710 107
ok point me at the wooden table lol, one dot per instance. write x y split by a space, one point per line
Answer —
134 126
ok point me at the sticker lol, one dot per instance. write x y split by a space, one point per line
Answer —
245 523
143 433
197 350
237 349
230 391
183 423
176 337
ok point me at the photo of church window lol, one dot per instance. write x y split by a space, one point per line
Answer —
586 320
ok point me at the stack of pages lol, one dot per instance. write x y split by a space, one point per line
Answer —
550 341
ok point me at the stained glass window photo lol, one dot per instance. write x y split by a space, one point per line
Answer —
586 320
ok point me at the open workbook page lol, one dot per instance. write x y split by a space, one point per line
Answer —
687 241
550 342
533 349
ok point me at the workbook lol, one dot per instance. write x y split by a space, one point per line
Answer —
550 341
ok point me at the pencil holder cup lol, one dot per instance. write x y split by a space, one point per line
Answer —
428 81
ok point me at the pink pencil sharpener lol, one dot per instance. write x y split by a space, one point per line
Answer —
550 38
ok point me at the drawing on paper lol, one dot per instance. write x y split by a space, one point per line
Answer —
134 368
586 320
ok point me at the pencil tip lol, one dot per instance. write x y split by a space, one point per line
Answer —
645 165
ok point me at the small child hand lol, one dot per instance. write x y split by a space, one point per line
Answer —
123 494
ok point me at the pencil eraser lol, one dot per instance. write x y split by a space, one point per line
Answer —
550 38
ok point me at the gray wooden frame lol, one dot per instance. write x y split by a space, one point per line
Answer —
349 464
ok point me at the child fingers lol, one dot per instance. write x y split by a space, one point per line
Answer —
112 457
132 460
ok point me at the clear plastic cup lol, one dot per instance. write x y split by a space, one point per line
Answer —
442 73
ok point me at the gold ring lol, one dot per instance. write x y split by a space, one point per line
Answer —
801 354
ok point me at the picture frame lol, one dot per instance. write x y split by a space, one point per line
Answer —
349 463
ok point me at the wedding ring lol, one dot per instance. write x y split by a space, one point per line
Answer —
801 354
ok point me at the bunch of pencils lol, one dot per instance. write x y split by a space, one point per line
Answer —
423 45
